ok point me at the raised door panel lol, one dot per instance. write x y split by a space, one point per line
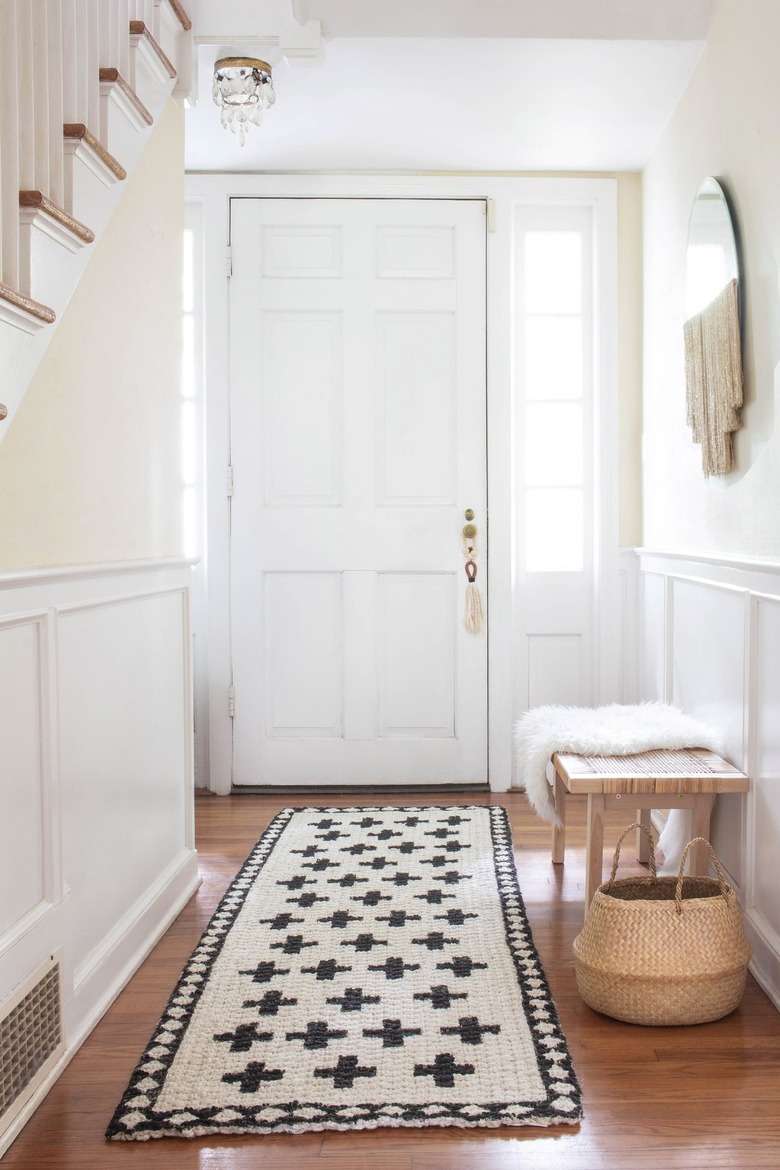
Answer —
301 408
302 640
417 420
417 658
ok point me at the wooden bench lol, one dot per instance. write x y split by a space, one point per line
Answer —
687 778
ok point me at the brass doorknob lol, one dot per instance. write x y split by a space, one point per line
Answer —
469 531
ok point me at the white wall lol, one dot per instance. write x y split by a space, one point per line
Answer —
96 790
91 467
726 126
709 603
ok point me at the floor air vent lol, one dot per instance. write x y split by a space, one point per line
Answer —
30 1038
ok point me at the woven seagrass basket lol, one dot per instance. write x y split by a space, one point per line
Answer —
663 950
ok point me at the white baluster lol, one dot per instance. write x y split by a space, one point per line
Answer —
123 21
53 16
25 91
93 64
80 42
39 95
9 144
70 104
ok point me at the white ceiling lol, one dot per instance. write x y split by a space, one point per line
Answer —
451 84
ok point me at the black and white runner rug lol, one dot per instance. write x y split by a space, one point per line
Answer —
367 967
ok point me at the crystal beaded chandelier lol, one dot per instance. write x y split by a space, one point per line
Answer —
242 89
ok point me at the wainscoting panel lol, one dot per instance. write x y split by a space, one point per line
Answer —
22 733
122 750
765 827
710 644
96 823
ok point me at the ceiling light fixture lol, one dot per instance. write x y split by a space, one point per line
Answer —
243 88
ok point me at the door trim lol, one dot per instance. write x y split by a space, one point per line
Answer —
213 192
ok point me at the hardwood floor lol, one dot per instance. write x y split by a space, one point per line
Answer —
654 1098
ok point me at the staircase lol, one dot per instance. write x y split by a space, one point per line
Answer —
81 85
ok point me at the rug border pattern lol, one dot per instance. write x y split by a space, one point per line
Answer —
563 1101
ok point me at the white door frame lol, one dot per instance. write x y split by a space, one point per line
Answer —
213 192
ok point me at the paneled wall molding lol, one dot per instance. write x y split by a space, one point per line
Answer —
709 639
22 577
96 733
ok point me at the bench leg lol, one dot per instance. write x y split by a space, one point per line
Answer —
559 834
700 827
642 847
594 850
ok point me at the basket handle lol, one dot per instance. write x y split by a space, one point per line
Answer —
623 835
725 888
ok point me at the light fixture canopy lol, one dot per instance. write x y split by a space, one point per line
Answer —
243 88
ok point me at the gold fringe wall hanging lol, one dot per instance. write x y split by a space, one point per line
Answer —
713 379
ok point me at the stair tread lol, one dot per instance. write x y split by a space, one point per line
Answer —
14 297
49 207
77 130
114 77
139 29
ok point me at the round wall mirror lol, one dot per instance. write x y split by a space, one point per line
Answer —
712 259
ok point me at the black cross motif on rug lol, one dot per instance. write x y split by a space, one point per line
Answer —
358 850
270 1003
455 917
320 865
394 968
242 1039
364 942
392 1034
401 879
372 897
292 945
341 918
346 1072
317 1034
326 969
280 921
347 881
305 901
365 823
377 863
332 835
407 847
266 971
435 897
353 999
398 917
470 1030
412 821
435 940
252 1077
309 851
461 966
440 995
297 882
444 1070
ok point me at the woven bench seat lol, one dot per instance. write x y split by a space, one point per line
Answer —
683 778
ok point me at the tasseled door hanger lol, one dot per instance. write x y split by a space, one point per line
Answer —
473 617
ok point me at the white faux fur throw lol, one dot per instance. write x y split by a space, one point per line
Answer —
616 730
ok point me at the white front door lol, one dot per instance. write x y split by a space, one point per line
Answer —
357 444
